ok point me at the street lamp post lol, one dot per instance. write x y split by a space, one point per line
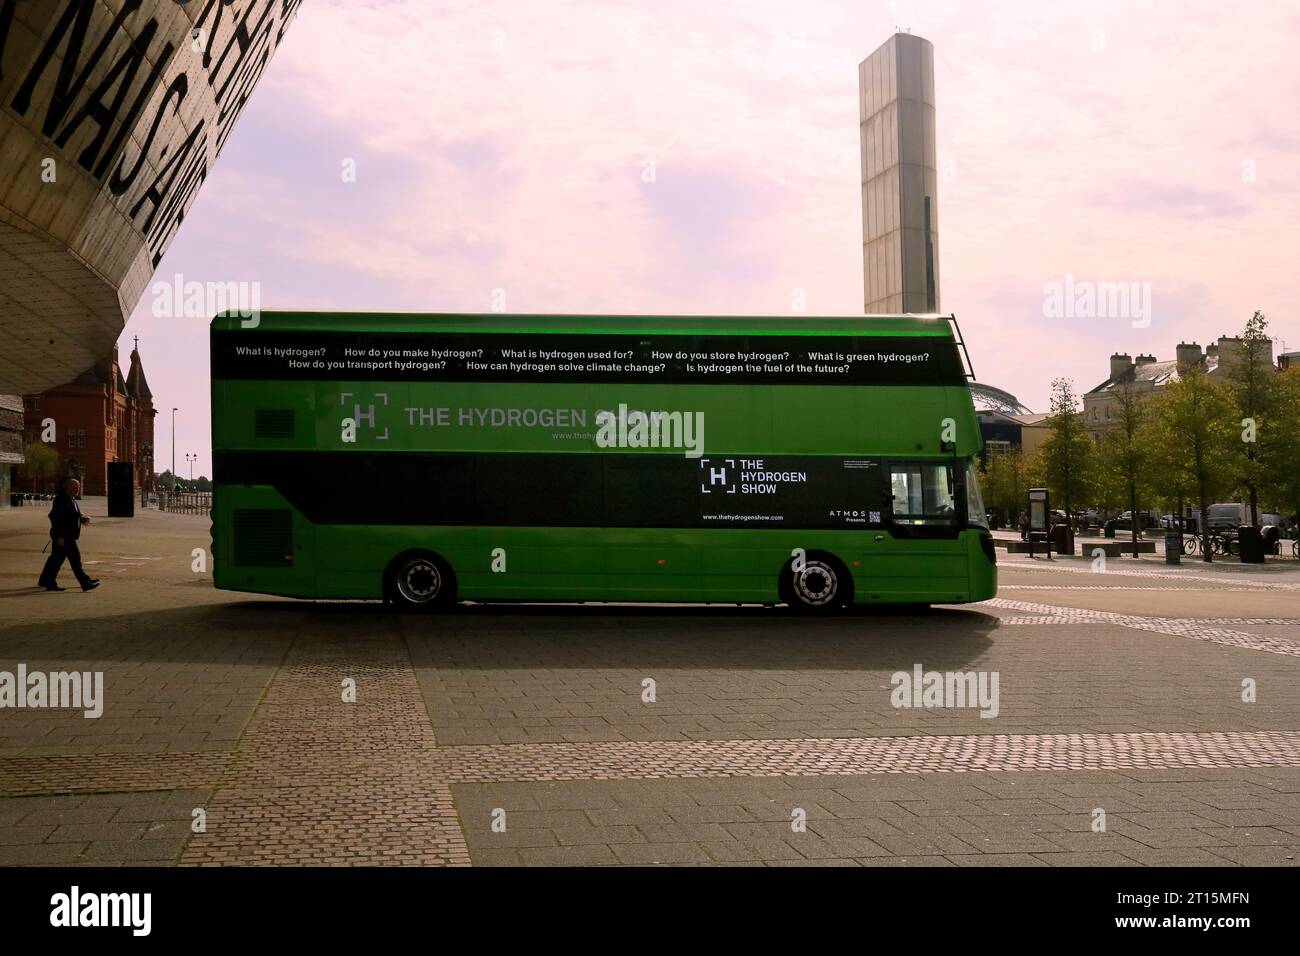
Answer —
146 472
173 488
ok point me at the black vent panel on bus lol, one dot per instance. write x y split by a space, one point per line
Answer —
273 423
263 537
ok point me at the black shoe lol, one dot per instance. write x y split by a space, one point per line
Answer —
54 587
88 586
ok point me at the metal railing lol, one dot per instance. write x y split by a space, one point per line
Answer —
185 502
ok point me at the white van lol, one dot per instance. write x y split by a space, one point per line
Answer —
1233 514
1221 517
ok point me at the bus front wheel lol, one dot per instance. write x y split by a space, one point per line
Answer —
419 581
823 585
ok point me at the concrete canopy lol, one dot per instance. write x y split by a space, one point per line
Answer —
111 116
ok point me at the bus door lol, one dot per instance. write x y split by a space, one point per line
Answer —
918 552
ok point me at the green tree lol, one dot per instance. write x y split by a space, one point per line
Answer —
40 462
1123 454
1109 490
1191 440
1171 494
1006 483
1068 453
1281 471
1252 385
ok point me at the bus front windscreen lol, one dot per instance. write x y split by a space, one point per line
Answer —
975 514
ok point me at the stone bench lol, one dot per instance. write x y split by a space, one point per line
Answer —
1110 547
1025 547
1113 548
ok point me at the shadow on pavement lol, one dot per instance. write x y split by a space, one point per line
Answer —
518 635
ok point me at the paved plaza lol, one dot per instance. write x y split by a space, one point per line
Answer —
530 735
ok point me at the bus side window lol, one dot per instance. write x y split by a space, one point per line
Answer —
905 482
922 491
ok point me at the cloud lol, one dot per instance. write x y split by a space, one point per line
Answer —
1165 200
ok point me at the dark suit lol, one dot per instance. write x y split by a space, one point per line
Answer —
65 523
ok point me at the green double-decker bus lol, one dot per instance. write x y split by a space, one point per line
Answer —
432 459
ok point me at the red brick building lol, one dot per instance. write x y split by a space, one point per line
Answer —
11 445
98 417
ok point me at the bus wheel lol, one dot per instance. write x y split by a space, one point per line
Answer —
419 581
823 584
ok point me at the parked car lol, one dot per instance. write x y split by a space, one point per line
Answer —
1145 519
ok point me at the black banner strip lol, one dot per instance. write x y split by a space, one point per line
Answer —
589 490
586 358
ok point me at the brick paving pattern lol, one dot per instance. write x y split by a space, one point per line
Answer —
1197 628
337 799
1152 818
666 759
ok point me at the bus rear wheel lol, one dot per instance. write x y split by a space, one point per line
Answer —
822 586
419 581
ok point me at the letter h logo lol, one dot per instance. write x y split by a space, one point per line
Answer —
716 475
366 418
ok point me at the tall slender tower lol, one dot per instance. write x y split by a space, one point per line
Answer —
900 200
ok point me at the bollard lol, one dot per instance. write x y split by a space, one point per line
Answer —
1173 547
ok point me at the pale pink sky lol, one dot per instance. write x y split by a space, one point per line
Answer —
500 145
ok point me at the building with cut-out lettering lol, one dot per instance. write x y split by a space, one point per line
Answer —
111 117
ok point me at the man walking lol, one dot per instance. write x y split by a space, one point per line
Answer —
66 520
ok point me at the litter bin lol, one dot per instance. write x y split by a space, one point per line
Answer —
1251 544
1062 539
1109 530
1173 547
